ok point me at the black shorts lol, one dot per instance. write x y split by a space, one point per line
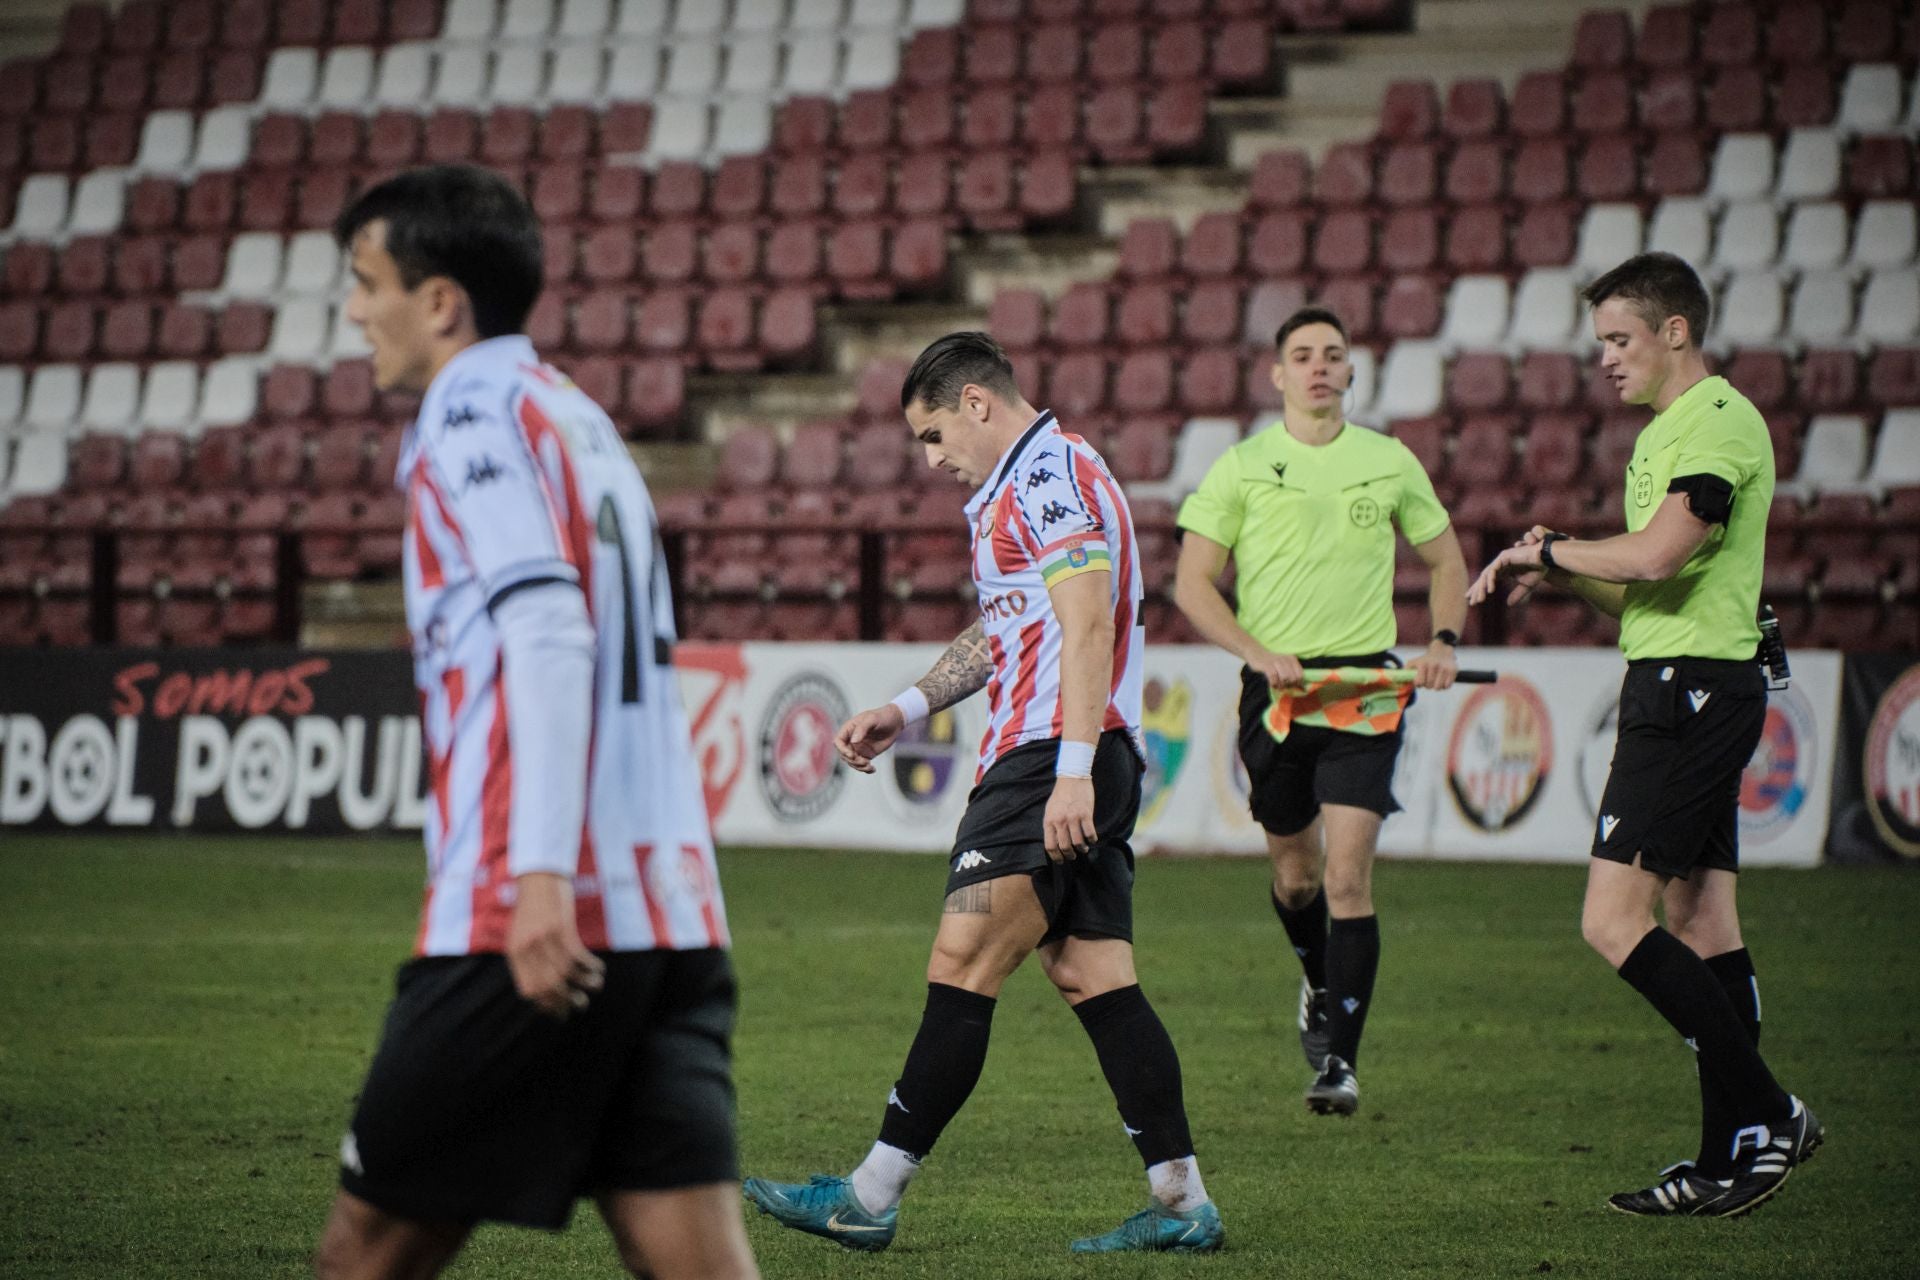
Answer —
1287 782
1003 833
477 1106
1688 727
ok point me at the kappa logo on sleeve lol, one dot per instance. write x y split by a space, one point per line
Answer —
461 415
1053 513
483 470
1038 477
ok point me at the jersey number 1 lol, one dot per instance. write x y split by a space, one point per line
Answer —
610 532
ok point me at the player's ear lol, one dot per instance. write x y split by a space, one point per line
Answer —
1276 375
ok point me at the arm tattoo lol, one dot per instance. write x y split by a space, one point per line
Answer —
961 671
971 900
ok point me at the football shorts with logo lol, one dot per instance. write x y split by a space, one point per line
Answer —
1288 781
1003 833
1688 727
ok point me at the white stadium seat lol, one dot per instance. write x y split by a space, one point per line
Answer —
312 263
693 67
1198 446
461 77
231 392
643 17
290 78
753 65
299 330
759 17
346 77
634 72
1682 227
99 202
1748 237
701 18
936 13
113 398
1609 235
1834 452
1411 381
39 464
743 127
1546 309
1476 314
1810 165
585 19
166 142
253 265
1912 119
519 74
226 137
1890 306
1870 99
578 71
1816 236
1365 372
873 60
526 19
1751 310
172 400
680 129
1884 234
818 15
405 71
1822 311
1742 167
348 340
874 13
53 396
1896 451
469 19
41 207
813 64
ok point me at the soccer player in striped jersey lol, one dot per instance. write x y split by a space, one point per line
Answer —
1041 860
564 1027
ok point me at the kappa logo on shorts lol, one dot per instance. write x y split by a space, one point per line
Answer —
968 861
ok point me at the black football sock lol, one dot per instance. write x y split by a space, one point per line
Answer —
1353 958
1142 1069
1679 984
1306 928
942 1067
1734 969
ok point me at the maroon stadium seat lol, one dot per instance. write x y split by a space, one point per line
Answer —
19 331
1539 105
1666 37
793 253
1475 109
1077 385
664 320
1212 247
860 187
1893 376
1017 318
242 328
1554 451
1277 244
348 391
799 187
339 458
1670 99
601 322
923 186
618 193
1547 380
1540 171
1116 54
393 139
506 138
1345 176
559 192
992 54
985 189
198 262
856 260
607 255
1737 100
1411 308
1477 172
126 331
1409 174
1053 52
1353 299
209 203
334 139
1114 119
83 28
1798 33
547 322
1676 165
1478 382
1178 52
926 121
85 266
153 204
1149 249
1879 166
566 133
323 197
1051 117
28 269
1144 382
1410 240
1805 97
917 255
787 326
1609 168
1603 103
1211 316
1177 119
450 136
1243 55
1281 179
865 122
931 58
1409 111
234 77
1731 37
739 188
730 254
1080 317
1829 380
656 392
1343 242
1144 316
1210 381
70 332
671 252
624 127
1601 39
266 201
1047 189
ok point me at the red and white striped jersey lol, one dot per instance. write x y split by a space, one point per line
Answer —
513 476
1051 511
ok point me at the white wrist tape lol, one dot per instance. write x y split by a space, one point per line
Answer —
912 704
1074 761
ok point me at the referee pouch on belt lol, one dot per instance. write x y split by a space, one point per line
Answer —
1772 653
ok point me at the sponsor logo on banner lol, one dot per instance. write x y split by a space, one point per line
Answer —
1165 725
1892 765
800 772
1500 753
713 679
1778 779
1232 789
1596 752
925 758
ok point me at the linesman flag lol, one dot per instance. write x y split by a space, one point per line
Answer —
1363 700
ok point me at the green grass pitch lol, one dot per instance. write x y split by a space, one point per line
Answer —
183 1023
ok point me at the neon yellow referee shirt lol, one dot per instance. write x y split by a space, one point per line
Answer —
1706 610
1311 531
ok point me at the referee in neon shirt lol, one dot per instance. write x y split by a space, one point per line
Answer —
1307 509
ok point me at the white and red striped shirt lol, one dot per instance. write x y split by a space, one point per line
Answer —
514 477
1052 510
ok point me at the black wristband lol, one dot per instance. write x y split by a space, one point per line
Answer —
1546 548
1447 637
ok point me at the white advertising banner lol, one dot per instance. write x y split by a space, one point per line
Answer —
1511 770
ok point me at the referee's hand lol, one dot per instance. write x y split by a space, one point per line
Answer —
550 967
1282 670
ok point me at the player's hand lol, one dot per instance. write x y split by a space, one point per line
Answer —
550 967
867 735
1282 670
1437 666
1520 561
1069 821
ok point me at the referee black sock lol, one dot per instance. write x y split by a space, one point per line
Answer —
942 1067
1306 928
1142 1069
1353 958
1718 1124
1679 984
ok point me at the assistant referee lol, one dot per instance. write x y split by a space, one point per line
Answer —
1684 580
1307 508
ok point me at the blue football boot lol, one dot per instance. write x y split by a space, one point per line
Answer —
824 1206
1158 1229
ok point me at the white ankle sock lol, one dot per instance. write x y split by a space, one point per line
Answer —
1176 1184
882 1177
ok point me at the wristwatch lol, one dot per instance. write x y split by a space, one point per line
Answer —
1546 548
1447 637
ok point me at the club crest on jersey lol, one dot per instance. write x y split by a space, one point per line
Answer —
1076 554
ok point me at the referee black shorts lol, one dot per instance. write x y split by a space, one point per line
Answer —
1287 782
1688 727
1003 833
479 1107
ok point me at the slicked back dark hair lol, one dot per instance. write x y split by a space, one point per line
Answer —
465 223
1304 317
1656 285
952 362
